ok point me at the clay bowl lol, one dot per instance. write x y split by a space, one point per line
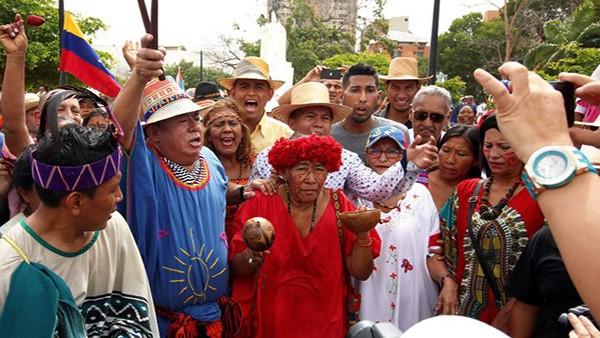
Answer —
360 220
258 234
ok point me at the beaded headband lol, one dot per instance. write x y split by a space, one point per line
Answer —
75 178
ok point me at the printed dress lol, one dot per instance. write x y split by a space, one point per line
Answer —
178 221
106 278
400 289
502 240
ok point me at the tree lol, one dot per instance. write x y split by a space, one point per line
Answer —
565 37
379 61
456 86
310 40
191 73
43 51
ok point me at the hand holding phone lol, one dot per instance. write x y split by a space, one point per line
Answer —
331 74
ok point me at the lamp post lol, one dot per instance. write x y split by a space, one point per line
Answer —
434 40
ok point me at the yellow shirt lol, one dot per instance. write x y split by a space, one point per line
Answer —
267 132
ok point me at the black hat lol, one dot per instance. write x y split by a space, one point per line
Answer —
207 91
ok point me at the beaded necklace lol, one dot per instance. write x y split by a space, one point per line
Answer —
313 217
486 210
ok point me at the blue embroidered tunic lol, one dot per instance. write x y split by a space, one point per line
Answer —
179 229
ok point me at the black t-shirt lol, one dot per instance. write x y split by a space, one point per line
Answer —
540 278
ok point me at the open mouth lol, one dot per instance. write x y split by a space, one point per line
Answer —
196 142
251 104
227 141
361 110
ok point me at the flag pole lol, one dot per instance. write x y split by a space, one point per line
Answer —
62 77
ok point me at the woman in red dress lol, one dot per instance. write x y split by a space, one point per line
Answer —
493 219
299 289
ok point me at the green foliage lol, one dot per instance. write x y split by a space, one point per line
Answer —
423 64
250 48
191 73
456 86
581 60
310 40
565 37
379 61
43 51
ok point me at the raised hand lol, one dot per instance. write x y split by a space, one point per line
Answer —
129 54
149 62
530 117
587 88
13 37
423 154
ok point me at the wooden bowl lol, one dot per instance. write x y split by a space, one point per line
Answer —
258 234
359 221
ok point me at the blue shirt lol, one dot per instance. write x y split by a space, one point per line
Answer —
180 231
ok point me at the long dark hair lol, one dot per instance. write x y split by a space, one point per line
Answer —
469 134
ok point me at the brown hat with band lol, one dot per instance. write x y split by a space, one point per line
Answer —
310 94
404 68
251 68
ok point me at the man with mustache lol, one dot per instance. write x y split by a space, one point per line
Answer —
175 192
431 108
251 88
361 93
401 85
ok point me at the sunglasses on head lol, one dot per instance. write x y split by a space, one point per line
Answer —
434 117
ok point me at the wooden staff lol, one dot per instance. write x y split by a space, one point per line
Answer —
151 25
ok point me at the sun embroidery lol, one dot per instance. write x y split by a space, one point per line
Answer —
190 264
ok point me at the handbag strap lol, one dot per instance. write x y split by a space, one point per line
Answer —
487 271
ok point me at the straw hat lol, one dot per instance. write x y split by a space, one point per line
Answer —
403 68
252 68
31 101
310 94
163 100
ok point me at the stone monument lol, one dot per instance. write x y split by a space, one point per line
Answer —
273 44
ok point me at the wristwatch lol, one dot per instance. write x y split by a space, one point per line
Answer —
552 167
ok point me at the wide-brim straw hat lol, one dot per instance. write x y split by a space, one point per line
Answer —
251 68
310 94
31 100
404 68
164 99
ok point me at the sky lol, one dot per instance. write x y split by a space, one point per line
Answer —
198 23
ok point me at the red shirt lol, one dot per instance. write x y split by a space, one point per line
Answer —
302 286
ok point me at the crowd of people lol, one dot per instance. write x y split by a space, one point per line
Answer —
127 218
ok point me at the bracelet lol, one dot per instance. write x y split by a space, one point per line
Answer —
364 243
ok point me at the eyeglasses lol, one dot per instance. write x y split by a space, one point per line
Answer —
390 153
434 117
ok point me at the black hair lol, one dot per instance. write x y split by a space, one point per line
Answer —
72 145
489 123
94 113
48 116
22 170
360 69
471 135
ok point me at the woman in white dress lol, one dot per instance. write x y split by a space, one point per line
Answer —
401 289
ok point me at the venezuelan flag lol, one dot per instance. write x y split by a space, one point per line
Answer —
79 58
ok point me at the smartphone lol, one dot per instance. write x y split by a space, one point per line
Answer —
331 74
568 93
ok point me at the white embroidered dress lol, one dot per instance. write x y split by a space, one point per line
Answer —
400 289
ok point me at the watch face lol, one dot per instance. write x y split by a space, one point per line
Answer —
552 165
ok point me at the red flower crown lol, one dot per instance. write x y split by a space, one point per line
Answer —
314 148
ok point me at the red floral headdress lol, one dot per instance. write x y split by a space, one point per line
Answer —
319 149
